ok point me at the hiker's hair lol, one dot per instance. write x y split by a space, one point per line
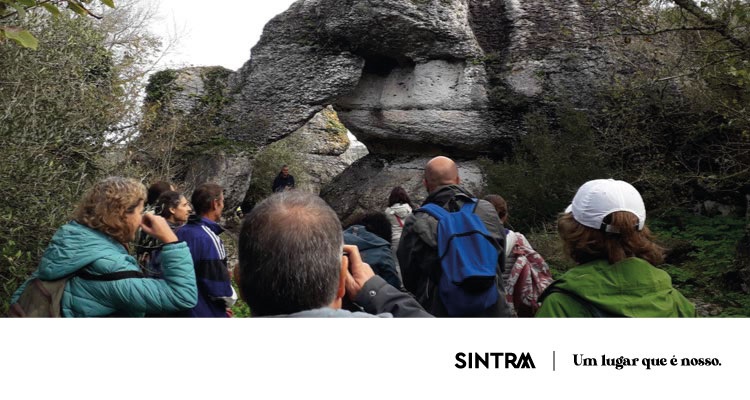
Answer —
204 195
155 190
399 195
501 206
290 250
105 206
167 200
584 244
376 223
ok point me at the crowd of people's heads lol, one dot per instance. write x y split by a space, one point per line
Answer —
290 244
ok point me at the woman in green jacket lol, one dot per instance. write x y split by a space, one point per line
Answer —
96 241
604 231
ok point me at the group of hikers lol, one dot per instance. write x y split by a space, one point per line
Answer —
450 257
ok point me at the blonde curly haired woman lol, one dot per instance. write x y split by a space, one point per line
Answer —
96 243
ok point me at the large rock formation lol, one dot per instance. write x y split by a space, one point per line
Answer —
184 110
412 78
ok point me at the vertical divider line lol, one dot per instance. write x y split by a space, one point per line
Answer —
553 361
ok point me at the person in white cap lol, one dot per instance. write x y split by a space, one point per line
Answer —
604 231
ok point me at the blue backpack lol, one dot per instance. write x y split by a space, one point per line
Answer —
468 259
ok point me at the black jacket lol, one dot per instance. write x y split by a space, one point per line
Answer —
280 183
417 250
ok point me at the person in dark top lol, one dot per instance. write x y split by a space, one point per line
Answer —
418 250
371 234
283 180
201 233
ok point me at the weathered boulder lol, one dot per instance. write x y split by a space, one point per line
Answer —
315 154
366 184
419 76
411 79
184 112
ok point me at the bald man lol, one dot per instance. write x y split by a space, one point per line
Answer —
417 250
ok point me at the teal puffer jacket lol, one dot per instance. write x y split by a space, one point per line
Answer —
74 246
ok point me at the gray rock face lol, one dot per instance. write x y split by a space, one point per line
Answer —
419 77
417 104
230 170
191 87
414 78
373 177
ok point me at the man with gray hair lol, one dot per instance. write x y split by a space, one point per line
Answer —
418 249
293 262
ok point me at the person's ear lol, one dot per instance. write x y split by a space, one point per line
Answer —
341 291
458 180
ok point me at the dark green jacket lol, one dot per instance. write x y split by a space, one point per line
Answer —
630 288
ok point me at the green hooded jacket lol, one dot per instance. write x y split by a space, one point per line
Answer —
629 288
75 246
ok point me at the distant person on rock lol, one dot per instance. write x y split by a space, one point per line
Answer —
201 233
283 181
604 231
421 265
293 263
399 207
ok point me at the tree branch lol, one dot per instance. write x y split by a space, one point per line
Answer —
718 26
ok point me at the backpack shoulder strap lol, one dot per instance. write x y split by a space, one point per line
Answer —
434 210
470 206
112 276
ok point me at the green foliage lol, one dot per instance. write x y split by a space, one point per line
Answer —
57 103
707 268
548 165
267 166
171 134
15 12
160 86
677 118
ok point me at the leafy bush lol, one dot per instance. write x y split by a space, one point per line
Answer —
549 163
58 103
708 269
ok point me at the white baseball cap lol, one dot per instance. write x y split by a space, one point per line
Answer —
598 198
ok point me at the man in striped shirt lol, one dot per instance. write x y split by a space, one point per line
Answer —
201 233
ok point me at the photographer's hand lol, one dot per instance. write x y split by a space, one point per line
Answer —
358 272
157 227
